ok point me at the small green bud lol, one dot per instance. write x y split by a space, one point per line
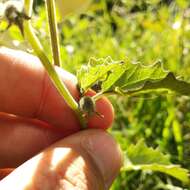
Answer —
87 105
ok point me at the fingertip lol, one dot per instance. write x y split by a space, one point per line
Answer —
106 117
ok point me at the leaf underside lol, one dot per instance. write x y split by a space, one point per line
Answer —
126 78
141 157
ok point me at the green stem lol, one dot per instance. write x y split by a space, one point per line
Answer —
35 43
51 12
102 94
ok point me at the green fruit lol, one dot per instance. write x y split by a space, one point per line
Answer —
87 105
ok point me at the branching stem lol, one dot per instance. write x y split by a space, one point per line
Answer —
36 45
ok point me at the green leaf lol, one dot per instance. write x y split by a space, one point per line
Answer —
169 82
128 78
96 70
141 154
141 157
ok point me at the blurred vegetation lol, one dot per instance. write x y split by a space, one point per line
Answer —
143 31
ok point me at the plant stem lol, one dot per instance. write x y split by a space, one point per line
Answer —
51 12
35 43
181 39
102 94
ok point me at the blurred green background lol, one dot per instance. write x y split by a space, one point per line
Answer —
143 31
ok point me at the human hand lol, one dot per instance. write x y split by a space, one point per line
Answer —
89 159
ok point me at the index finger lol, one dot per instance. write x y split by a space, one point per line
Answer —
26 90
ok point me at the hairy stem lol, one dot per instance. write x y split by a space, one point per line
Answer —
35 43
51 12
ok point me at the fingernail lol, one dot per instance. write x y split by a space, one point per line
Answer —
106 154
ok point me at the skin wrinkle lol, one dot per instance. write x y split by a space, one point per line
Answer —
12 61
76 175
95 177
91 171
64 184
43 96
61 170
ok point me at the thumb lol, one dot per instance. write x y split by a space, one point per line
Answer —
88 160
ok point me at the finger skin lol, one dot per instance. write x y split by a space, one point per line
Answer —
4 172
21 139
88 160
26 90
